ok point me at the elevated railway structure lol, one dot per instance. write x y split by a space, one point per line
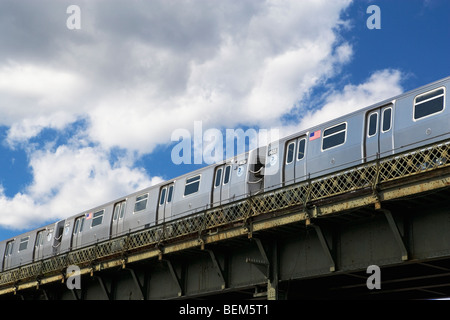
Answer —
311 240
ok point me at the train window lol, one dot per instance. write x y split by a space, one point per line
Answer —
39 238
218 177
116 212
163 196
141 202
169 194
75 228
119 210
429 103
97 218
334 136
226 177
23 243
301 149
192 185
78 227
82 224
9 248
290 152
122 210
387 119
373 124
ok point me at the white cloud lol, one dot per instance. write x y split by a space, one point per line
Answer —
381 85
249 71
67 181
165 66
34 97
137 71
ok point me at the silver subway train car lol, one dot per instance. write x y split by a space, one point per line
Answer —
408 121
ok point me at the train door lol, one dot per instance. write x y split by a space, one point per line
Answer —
379 138
294 160
39 246
59 229
117 218
221 185
386 136
165 203
8 255
77 232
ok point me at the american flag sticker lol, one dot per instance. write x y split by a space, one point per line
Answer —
88 216
314 135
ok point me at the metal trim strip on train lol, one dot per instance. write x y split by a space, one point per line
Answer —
408 121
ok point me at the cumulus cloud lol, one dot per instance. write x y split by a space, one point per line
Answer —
138 70
148 68
67 181
381 85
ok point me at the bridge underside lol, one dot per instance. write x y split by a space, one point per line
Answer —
321 258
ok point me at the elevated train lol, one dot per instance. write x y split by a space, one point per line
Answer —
408 121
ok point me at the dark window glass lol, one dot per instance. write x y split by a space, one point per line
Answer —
373 119
226 177
218 177
141 203
430 95
301 149
335 129
429 104
116 212
334 136
290 152
387 119
82 224
39 238
192 185
9 249
122 210
98 218
75 228
23 243
169 195
163 196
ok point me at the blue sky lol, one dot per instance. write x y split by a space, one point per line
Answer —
86 115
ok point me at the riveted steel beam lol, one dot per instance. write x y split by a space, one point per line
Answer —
104 288
262 265
325 247
396 233
137 282
217 268
174 276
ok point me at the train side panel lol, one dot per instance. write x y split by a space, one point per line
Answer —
423 117
96 227
273 177
140 210
44 245
19 250
336 145
192 192
238 183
